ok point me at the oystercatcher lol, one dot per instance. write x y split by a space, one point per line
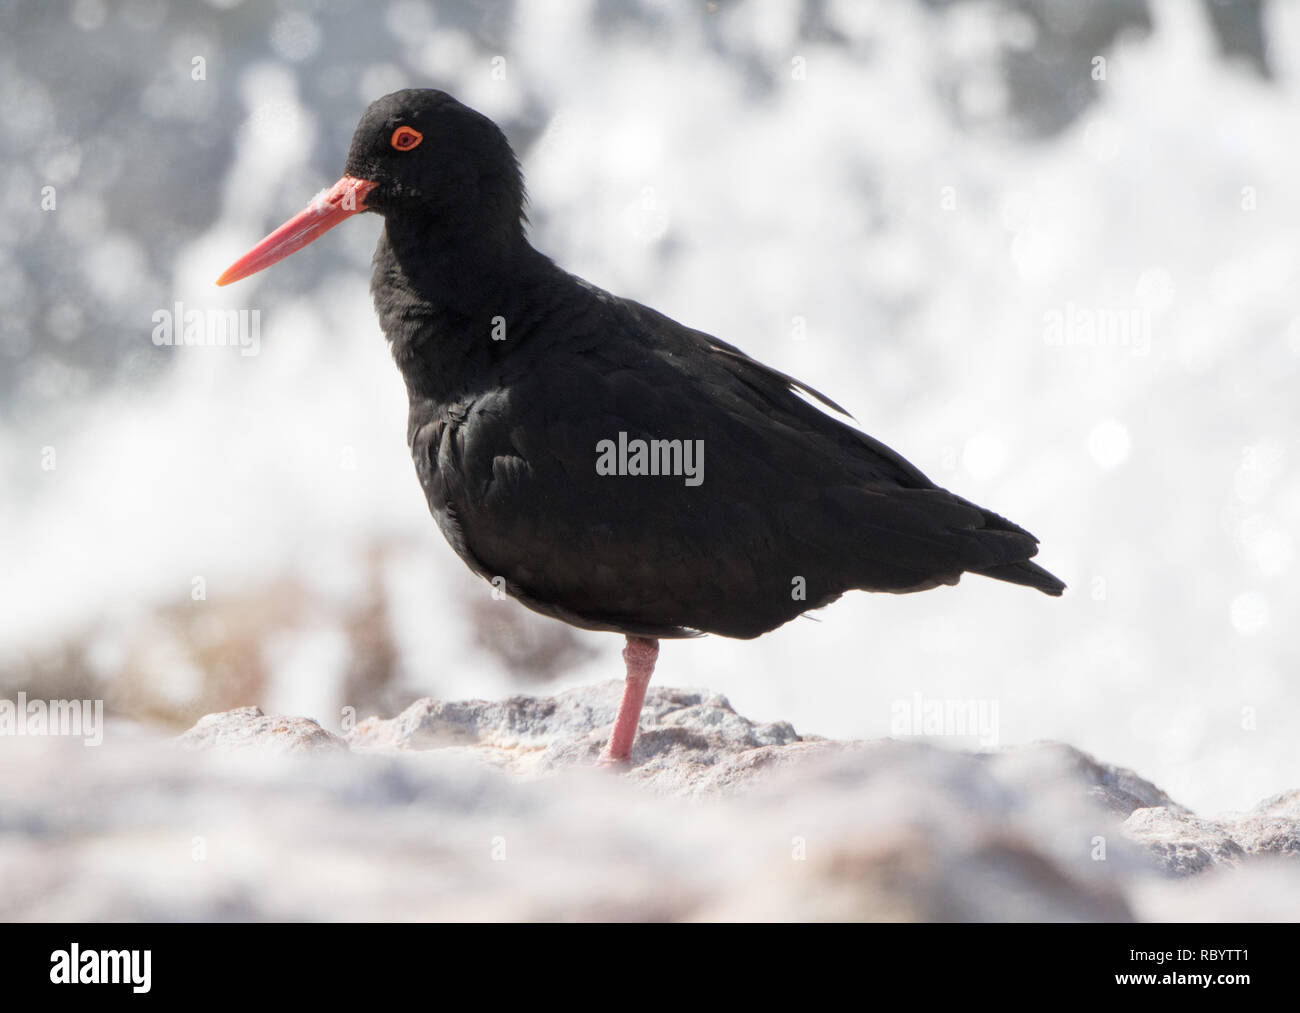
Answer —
604 464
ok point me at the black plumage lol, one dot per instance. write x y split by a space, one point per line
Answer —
517 372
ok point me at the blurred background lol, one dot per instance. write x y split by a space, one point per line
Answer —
1046 249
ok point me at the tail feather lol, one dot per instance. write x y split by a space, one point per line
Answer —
1026 573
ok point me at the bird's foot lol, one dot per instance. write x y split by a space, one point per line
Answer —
608 759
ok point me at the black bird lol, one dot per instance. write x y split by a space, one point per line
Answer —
606 465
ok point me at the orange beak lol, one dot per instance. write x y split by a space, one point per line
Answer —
329 207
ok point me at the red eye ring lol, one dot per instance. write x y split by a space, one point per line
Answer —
405 138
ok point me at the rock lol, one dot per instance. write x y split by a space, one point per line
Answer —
693 744
1272 827
248 727
493 810
684 734
1182 843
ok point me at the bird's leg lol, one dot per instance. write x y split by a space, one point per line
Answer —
639 656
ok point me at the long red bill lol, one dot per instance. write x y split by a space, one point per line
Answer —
329 207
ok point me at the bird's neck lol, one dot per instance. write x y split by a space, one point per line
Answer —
448 307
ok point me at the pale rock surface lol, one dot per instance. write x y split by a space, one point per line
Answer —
492 810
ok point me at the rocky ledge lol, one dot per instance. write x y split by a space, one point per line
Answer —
494 810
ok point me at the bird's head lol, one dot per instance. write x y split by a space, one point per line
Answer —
419 156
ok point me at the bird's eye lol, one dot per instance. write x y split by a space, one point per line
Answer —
406 138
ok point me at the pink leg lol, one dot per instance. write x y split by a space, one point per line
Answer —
640 656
